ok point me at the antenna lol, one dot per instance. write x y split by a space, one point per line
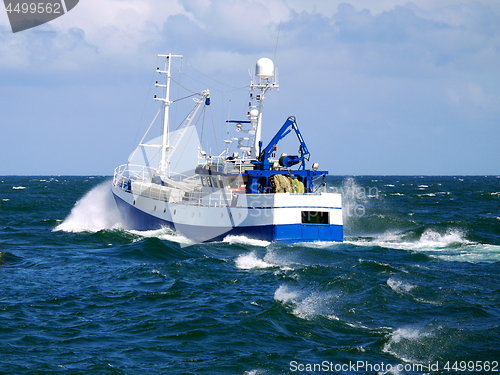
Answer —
277 39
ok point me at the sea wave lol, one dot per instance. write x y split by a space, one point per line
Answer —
269 260
429 240
94 212
477 253
250 261
399 286
307 305
164 234
451 245
409 344
285 294
245 241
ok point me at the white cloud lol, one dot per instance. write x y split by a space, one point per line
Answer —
118 24
381 71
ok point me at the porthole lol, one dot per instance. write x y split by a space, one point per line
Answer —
164 210
192 214
175 211
221 215
155 208
134 202
239 215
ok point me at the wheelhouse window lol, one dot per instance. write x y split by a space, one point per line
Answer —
315 217
233 182
215 184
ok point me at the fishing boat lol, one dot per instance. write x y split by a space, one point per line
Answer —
250 192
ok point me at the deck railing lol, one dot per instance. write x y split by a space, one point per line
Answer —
140 180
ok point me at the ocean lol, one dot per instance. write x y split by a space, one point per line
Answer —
413 289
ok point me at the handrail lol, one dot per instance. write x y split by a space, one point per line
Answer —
131 178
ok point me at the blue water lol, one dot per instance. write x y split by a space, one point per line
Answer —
416 283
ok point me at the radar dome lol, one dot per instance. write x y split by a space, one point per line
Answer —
264 69
254 113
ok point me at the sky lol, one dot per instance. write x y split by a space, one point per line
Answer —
378 88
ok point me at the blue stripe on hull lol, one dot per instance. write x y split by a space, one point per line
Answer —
286 233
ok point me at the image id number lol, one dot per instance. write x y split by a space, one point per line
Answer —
34 8
485 366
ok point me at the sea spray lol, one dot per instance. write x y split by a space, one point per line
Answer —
355 202
250 261
94 212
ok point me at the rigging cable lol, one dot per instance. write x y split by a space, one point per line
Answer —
215 132
210 86
222 83
178 89
277 39
145 104
147 131
194 128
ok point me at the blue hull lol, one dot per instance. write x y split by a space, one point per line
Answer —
288 233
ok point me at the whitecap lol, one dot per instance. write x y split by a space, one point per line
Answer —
402 341
19 187
250 261
429 240
316 304
433 239
245 241
477 253
317 244
307 306
332 317
285 294
166 234
449 246
157 272
399 286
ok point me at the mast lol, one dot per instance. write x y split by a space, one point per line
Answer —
164 164
264 70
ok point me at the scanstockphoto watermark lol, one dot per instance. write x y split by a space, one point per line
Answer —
361 366
26 14
365 366
355 198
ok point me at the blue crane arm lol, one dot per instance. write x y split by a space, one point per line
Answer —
291 160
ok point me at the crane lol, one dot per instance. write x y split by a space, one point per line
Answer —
285 160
